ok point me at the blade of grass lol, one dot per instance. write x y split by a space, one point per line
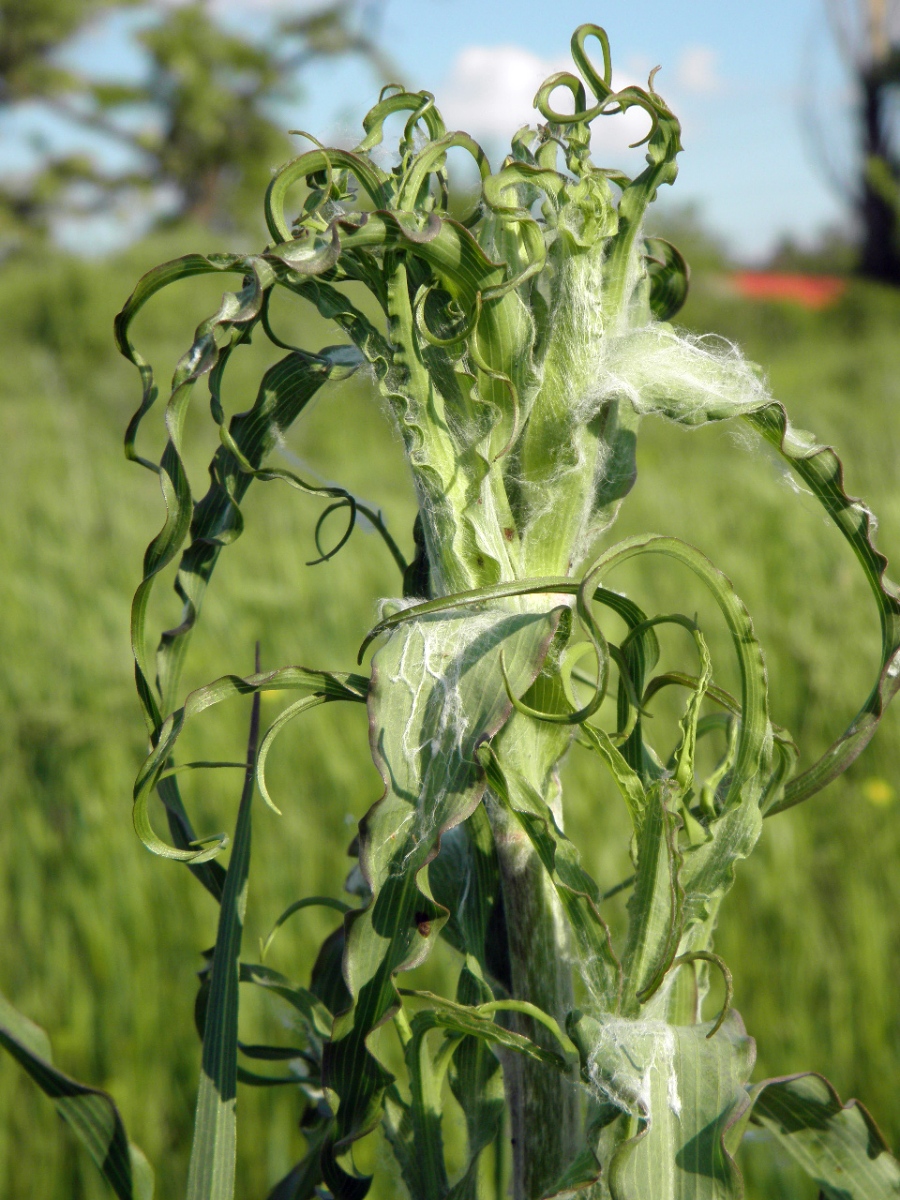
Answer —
90 1112
212 1166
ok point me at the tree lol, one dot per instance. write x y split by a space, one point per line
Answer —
198 127
867 33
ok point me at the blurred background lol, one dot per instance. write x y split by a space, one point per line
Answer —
134 132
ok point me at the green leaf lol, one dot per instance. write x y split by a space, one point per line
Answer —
321 686
212 1164
821 469
839 1146
314 1016
424 1171
326 980
300 1182
436 693
679 1093
397 1123
414 1129
655 907
615 427
707 871
90 1112
477 1084
669 276
298 906
465 879
309 164
755 729
478 1022
583 1172
578 893
151 283
627 780
585 1169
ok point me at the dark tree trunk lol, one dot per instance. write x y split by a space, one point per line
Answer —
880 251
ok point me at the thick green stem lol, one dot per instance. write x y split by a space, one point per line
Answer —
543 1105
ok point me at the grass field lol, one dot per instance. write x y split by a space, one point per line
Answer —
101 941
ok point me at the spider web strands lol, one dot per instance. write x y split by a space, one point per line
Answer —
682 1094
821 469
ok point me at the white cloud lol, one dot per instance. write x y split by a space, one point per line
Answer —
489 91
697 70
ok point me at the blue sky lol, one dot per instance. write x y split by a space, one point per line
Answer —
738 75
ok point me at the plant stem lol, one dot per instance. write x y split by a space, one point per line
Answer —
543 1105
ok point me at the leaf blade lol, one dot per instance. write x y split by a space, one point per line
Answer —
211 1170
90 1112
839 1146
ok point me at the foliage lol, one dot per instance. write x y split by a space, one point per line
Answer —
686 840
197 128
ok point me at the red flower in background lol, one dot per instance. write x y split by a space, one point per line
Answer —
809 291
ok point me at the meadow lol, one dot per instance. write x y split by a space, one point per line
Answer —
101 942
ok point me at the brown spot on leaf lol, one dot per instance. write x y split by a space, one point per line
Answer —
423 924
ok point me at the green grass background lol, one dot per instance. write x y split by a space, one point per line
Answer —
100 941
